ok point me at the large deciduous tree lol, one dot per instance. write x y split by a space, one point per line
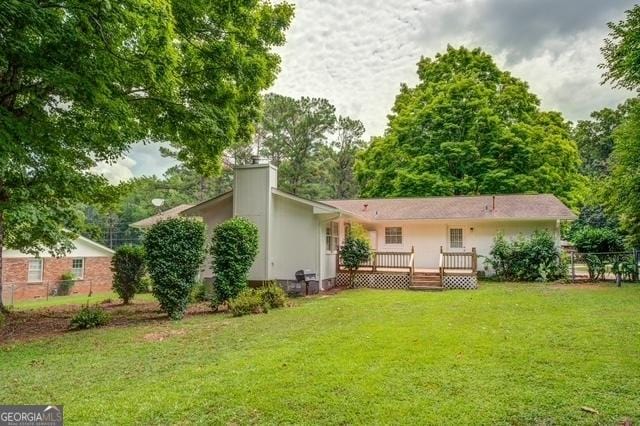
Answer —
621 53
595 137
469 128
624 183
80 81
622 67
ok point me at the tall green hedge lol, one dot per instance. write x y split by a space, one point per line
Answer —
174 252
128 269
234 247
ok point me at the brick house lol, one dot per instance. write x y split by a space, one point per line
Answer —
25 276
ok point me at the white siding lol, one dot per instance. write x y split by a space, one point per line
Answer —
82 248
294 239
427 237
252 199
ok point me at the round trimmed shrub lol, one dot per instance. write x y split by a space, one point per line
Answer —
174 252
89 317
128 269
234 247
248 301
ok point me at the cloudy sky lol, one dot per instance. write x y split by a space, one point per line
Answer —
357 52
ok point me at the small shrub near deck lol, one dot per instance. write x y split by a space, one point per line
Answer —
535 258
273 296
234 247
89 317
128 269
249 301
356 249
174 251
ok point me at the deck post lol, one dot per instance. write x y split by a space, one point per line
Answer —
474 260
374 265
573 266
337 260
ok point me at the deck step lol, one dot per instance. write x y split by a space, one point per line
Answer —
426 280
422 287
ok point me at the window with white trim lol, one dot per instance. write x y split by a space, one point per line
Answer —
332 236
77 267
393 235
34 271
455 238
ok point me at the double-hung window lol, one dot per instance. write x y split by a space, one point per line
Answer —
393 235
77 267
34 271
332 236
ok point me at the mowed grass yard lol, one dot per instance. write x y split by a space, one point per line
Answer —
504 354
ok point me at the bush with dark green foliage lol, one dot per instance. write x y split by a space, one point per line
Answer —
356 249
273 295
248 301
66 284
89 317
234 247
536 258
174 252
128 268
597 240
2 319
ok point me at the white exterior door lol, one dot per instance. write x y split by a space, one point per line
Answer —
373 237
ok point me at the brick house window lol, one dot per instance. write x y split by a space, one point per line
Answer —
393 235
77 267
34 271
455 238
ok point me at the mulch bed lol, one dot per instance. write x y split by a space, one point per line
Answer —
47 322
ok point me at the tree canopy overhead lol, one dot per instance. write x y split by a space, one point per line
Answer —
469 128
80 81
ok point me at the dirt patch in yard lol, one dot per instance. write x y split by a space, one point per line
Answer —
47 322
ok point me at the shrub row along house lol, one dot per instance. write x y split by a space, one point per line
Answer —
429 243
25 276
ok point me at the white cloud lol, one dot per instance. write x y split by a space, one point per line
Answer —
116 172
356 54
141 160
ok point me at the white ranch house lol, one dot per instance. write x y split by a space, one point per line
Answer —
421 243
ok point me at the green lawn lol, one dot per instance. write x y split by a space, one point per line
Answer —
504 354
76 299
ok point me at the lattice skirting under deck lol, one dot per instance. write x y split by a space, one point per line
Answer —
374 280
463 282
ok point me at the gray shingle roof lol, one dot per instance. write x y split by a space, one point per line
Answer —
167 214
542 206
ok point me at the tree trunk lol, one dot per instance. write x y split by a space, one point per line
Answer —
2 307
